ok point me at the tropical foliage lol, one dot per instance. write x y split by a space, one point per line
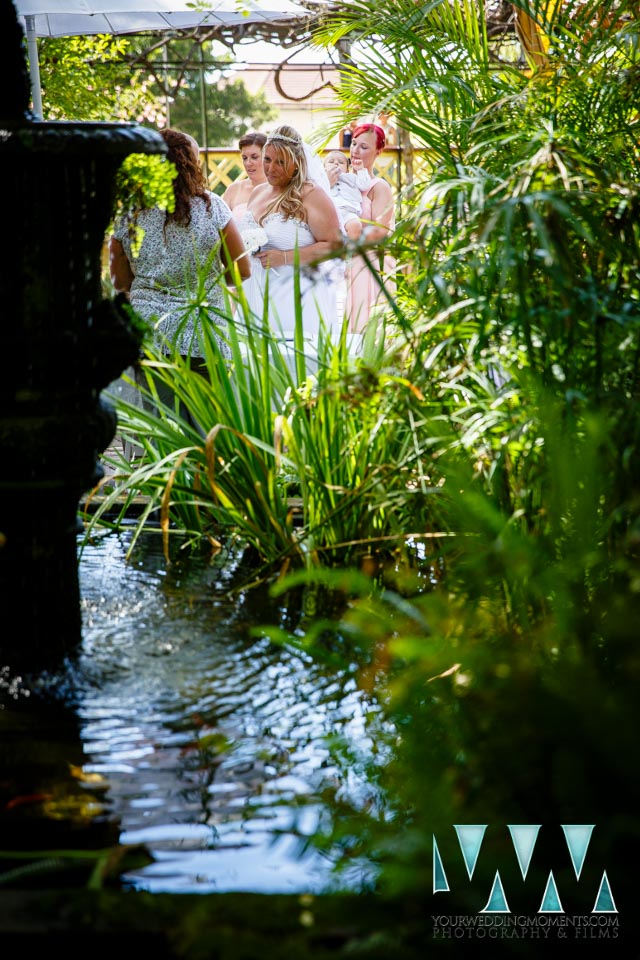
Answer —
520 316
131 79
495 432
306 466
98 67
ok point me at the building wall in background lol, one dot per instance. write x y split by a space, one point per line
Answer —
310 102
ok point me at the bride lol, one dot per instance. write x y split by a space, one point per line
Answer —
291 221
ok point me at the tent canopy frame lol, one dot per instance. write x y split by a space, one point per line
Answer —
285 22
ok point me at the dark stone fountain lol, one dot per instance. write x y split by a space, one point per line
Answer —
62 343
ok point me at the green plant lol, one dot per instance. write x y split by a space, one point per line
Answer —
270 430
97 65
508 681
95 869
144 181
506 691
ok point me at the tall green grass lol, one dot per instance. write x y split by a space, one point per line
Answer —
309 462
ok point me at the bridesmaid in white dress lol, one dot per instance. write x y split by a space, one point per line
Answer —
237 193
298 222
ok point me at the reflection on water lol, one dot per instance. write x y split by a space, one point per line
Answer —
200 741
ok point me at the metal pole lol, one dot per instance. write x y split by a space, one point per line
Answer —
34 66
167 98
203 104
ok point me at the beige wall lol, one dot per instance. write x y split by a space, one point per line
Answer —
314 102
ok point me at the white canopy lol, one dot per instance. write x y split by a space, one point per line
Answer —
65 18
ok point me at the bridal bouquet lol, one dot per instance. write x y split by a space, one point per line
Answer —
254 238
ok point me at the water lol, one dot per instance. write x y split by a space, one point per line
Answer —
200 741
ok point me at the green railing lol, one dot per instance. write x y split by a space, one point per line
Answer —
400 166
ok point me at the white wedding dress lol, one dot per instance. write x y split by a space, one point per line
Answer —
276 286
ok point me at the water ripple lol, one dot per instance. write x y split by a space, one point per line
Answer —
211 742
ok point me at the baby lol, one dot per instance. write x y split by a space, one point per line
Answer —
347 191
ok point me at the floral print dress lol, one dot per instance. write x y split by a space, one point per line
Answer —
178 270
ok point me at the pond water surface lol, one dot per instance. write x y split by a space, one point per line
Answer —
194 738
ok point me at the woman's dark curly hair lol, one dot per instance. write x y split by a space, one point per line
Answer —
190 181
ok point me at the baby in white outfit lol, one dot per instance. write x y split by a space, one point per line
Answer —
347 191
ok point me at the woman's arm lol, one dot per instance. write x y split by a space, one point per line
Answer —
122 275
323 219
382 213
324 223
234 253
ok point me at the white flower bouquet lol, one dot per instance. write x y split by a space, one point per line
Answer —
254 238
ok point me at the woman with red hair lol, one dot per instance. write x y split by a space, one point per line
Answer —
378 218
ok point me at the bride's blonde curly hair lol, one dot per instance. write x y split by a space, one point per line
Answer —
287 142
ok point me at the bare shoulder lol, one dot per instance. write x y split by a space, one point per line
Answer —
231 193
258 199
315 197
381 188
260 191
